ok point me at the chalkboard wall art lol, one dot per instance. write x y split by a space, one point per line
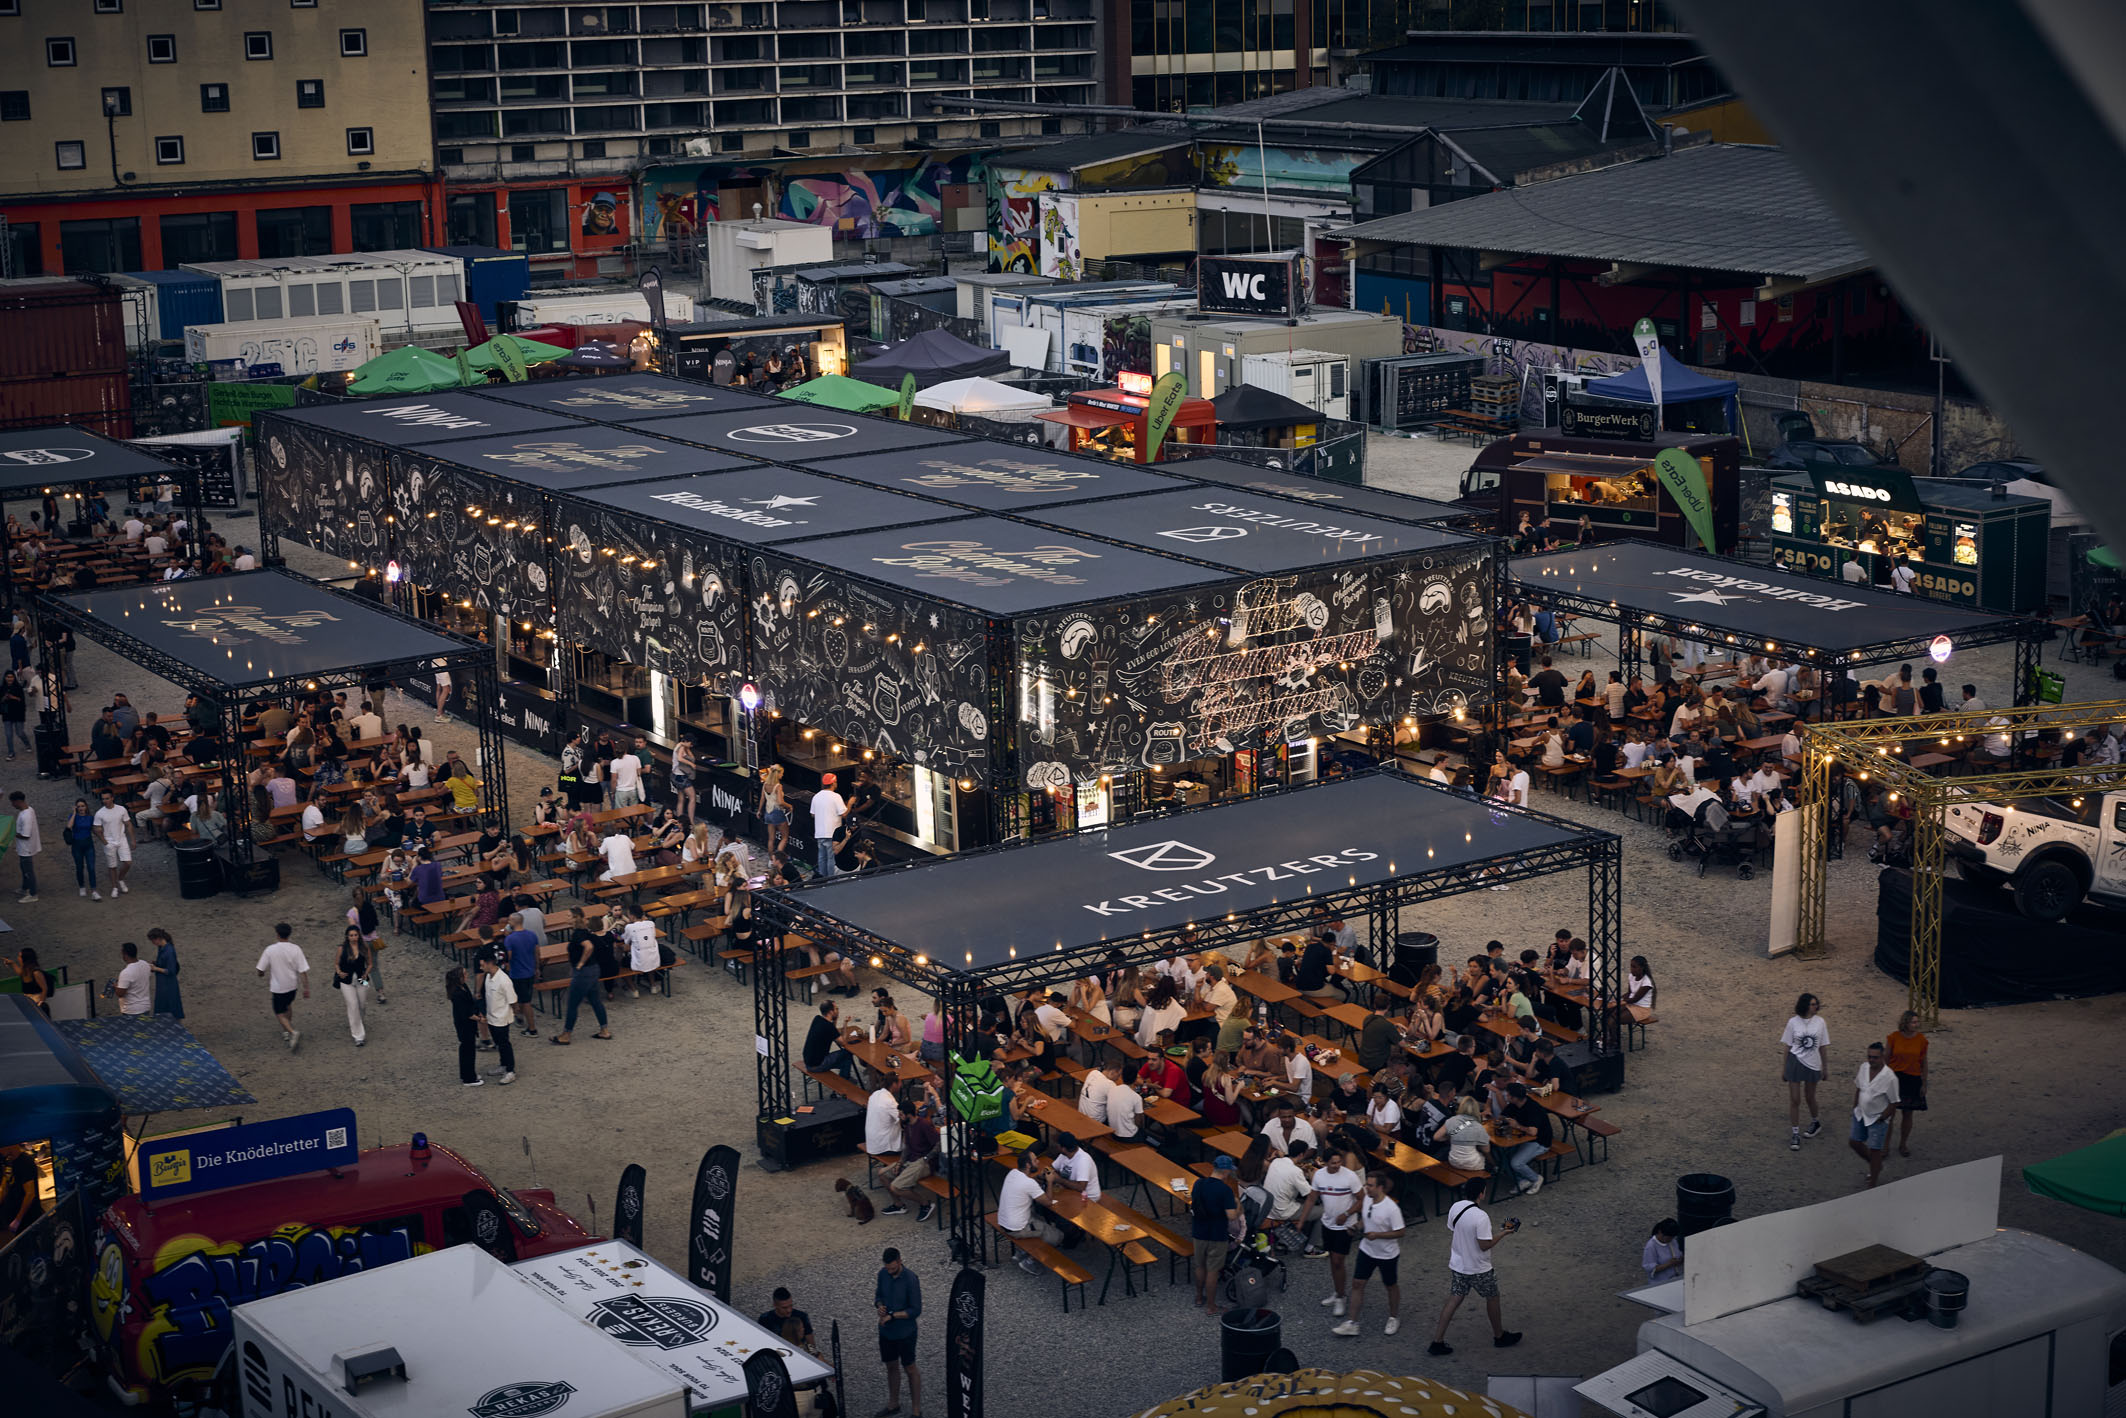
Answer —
650 593
323 489
472 537
884 668
1156 682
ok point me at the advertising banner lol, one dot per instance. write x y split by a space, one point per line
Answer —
709 1245
233 404
1891 489
768 1391
252 1152
1684 477
213 454
472 537
963 1344
627 1205
1586 419
1159 412
1259 286
1648 342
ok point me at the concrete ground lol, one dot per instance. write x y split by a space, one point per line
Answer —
2022 1082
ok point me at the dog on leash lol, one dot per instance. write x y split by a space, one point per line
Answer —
859 1205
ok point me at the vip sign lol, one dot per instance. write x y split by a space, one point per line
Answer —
1258 286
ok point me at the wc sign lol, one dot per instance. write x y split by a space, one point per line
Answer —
1262 286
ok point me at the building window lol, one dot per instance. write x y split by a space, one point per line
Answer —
865 135
169 151
110 7
385 226
99 244
538 221
258 44
734 142
926 132
265 147
59 53
162 49
1050 127
354 44
206 4
299 231
361 142
72 156
992 130
309 93
11 7
15 106
594 149
521 152
799 139
25 239
118 103
450 157
213 98
198 236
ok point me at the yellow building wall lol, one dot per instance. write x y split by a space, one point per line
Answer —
1728 120
1117 226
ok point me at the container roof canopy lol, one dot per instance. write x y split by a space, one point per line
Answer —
33 458
1318 492
996 477
429 418
1001 568
253 629
1246 531
985 910
763 505
591 456
784 431
624 398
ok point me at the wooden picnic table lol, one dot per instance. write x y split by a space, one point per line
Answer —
1117 1227
1154 1171
1167 1113
1103 1035
1061 1117
897 1065
1267 988
1351 1016
1230 1144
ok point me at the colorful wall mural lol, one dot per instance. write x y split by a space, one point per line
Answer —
1015 216
1061 254
903 199
1326 171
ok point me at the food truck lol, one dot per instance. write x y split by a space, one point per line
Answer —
1561 478
1113 423
1967 543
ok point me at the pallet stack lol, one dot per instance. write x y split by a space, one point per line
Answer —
1495 396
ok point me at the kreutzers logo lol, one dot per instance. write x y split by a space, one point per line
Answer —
649 1320
522 1400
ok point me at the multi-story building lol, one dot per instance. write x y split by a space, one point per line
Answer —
817 110
142 135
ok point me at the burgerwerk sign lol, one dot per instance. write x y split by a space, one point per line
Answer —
1176 856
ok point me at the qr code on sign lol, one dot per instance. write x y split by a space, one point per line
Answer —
335 1137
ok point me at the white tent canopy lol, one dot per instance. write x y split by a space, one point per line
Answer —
981 396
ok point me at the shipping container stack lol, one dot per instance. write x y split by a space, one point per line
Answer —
64 358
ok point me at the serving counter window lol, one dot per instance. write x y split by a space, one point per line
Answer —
1599 498
1874 531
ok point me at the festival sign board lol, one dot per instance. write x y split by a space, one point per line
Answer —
994 477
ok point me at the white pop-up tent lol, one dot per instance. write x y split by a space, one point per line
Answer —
988 398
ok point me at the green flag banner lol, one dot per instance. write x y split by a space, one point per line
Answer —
229 404
907 403
1684 478
1165 402
510 359
467 373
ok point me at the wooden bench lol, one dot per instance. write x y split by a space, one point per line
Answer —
1584 640
831 1082
1636 1018
806 978
875 1160
1051 1260
943 1190
1598 1135
1562 777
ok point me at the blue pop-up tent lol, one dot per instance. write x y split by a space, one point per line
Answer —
1679 385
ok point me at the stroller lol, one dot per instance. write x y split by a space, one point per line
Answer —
1713 836
1257 1252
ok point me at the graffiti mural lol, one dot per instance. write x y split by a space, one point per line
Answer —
904 199
1126 344
1061 256
1015 216
1326 172
322 488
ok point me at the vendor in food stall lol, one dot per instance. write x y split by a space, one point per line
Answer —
1112 423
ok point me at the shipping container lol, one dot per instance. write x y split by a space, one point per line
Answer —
492 275
594 308
297 346
102 403
1316 378
59 328
406 292
161 303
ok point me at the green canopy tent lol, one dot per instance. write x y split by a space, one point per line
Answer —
408 369
533 351
839 391
2093 1177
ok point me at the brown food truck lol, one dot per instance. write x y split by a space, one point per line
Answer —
1611 482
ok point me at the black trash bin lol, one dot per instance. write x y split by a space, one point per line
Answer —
198 873
1414 950
1248 1341
1703 1201
51 751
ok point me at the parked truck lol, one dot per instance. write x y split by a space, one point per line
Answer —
297 346
2053 853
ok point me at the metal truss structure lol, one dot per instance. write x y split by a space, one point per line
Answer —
958 993
1877 750
185 478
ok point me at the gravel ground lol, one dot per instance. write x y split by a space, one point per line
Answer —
1703 1097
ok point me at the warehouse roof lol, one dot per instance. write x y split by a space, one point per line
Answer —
1092 149
1721 207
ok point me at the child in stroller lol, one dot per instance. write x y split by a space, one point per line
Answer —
1257 1250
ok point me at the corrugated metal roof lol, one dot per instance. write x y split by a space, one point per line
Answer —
1092 149
1380 110
1715 208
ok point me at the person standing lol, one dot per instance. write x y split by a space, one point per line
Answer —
27 844
350 976
828 809
521 945
625 772
1214 1215
1381 1225
168 998
583 986
1906 1052
36 983
285 970
1336 1192
14 712
115 826
465 1013
1874 1096
899 1298
80 834
501 1002
1662 1255
1804 1039
1469 1267
442 695
684 797
135 985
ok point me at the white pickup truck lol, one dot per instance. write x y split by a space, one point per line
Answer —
2052 852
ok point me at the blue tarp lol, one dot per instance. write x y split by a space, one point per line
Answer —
1679 385
152 1063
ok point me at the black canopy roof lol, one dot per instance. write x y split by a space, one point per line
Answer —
623 398
587 456
1245 531
761 505
35 458
790 432
996 477
1693 594
932 356
426 418
1318 492
999 567
255 631
1246 406
987 910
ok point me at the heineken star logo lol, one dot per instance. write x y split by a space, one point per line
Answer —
779 501
1711 598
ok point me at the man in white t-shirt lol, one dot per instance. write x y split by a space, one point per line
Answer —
155 543
828 810
1093 1093
1875 1094
367 724
285 970
245 561
135 986
882 1122
1049 1015
618 849
28 843
1380 1249
1125 1107
135 529
627 780
1902 577
644 956
1469 1267
1336 1195
1076 1169
1853 573
114 828
313 820
1288 1128
1289 1189
1016 1216
1517 788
